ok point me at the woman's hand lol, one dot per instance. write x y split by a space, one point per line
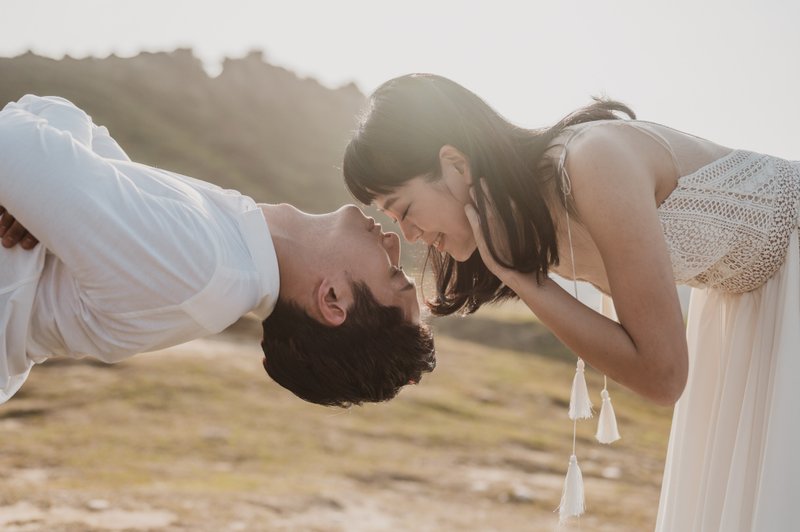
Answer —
13 233
497 235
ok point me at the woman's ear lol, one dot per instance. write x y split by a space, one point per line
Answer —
456 172
332 302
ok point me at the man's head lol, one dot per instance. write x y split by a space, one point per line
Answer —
346 329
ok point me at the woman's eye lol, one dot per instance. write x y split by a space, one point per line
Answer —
405 212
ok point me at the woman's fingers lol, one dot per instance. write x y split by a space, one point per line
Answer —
475 222
496 231
473 218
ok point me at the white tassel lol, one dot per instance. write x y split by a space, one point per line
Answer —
572 498
607 431
580 406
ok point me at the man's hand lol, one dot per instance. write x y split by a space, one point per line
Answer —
13 233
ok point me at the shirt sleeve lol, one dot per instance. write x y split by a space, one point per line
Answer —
132 239
59 113
104 145
65 116
143 259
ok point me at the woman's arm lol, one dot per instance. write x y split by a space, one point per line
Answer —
613 187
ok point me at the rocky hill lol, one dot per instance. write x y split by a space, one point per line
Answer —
256 127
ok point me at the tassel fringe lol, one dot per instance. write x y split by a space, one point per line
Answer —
572 498
607 431
580 406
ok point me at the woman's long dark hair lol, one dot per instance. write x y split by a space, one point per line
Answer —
407 122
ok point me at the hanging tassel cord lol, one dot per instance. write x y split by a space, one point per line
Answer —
569 238
607 429
572 497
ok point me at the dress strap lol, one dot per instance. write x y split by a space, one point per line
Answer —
646 128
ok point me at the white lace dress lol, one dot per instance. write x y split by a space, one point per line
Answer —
733 462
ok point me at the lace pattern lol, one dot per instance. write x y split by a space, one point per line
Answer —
728 224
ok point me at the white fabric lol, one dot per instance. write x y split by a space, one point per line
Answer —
727 225
733 462
732 231
132 258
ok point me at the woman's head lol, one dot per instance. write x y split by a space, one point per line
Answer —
414 156
426 143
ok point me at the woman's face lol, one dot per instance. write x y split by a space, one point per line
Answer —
433 211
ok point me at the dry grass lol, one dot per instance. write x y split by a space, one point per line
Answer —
196 438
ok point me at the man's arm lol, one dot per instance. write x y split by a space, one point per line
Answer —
59 113
63 115
104 145
134 247
115 225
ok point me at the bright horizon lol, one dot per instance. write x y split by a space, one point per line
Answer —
727 71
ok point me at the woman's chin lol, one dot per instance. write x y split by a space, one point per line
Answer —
461 255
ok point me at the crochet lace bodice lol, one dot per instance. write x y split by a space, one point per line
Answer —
727 225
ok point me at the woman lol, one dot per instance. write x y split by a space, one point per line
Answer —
631 207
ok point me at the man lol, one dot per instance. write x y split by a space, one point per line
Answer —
135 258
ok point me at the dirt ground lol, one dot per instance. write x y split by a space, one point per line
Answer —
195 438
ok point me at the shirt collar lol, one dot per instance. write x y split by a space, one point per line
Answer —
259 242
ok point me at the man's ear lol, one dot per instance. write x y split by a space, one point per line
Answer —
332 302
456 172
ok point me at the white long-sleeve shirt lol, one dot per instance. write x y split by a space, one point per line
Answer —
132 258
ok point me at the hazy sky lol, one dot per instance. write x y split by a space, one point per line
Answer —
729 71
724 70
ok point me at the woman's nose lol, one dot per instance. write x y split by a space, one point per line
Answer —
410 231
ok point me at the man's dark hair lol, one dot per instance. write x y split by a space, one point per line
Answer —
368 358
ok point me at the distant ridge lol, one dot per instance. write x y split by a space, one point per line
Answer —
256 127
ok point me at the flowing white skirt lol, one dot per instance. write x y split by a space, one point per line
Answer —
733 462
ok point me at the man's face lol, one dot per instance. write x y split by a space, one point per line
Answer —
366 254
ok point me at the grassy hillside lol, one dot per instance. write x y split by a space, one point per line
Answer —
197 438
256 127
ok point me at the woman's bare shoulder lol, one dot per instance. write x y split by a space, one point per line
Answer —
621 150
